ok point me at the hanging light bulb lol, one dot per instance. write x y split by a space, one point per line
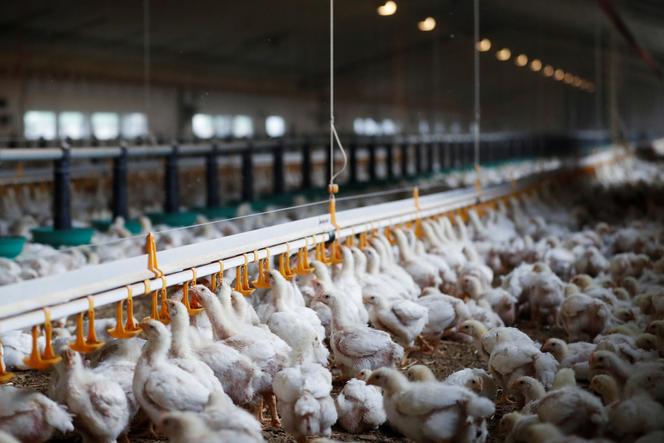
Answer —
535 65
504 54
569 78
559 74
483 45
521 60
426 25
389 8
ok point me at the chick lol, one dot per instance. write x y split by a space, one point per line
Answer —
632 416
432 411
360 406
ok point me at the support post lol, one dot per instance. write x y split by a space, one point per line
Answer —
431 146
212 195
171 182
278 178
404 160
120 202
372 161
352 160
418 158
389 159
62 191
306 166
248 174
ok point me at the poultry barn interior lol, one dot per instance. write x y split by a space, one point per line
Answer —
341 220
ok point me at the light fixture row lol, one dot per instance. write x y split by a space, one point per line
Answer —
388 8
536 65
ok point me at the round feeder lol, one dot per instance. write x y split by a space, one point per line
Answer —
133 225
65 237
11 246
173 218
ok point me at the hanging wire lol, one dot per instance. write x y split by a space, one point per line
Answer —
476 62
146 58
334 137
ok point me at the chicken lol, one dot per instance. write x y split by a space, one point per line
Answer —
240 378
486 340
632 416
432 411
510 360
403 319
360 406
514 426
425 274
99 404
573 410
296 325
159 385
347 283
441 316
572 355
583 317
546 295
477 380
188 427
6 438
266 350
548 433
304 402
356 347
605 362
30 416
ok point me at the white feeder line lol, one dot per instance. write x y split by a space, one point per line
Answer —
431 205
138 289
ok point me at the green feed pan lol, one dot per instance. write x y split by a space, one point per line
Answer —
10 247
65 237
173 218
133 225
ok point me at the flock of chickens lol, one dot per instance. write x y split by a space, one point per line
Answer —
207 373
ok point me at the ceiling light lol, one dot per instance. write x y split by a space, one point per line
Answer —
483 45
536 65
559 74
548 70
428 24
569 78
504 54
521 60
577 82
389 8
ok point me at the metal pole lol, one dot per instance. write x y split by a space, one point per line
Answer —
430 151
404 160
120 202
372 161
352 159
389 159
62 191
248 174
476 84
172 202
212 195
278 178
418 158
306 166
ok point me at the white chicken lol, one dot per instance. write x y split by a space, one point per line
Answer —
100 405
356 347
432 411
572 355
30 416
403 319
360 406
304 402
159 385
424 273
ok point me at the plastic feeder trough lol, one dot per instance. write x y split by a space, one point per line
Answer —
10 247
65 237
